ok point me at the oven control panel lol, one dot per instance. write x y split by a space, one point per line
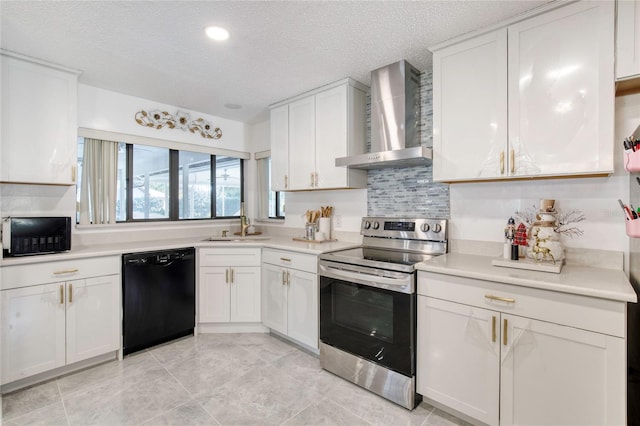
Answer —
405 228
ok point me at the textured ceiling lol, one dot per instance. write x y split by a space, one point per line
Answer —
157 49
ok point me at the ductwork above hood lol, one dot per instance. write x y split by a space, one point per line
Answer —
395 114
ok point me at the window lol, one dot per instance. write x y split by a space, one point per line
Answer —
154 183
150 182
270 203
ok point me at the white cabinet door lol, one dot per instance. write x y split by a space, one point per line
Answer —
214 294
331 137
302 134
458 362
558 375
93 316
245 294
470 109
628 39
274 297
280 148
33 330
302 307
561 96
39 123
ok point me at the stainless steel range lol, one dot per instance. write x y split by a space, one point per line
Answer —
368 305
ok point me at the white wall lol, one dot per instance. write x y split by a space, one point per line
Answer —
114 112
479 211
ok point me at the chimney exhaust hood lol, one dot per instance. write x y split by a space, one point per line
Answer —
395 114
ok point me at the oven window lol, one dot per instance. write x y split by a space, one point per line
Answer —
363 310
373 323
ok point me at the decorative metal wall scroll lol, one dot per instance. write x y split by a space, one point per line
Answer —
179 120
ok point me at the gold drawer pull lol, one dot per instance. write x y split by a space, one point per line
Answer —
501 299
493 329
65 271
284 259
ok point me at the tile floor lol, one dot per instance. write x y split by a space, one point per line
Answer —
211 379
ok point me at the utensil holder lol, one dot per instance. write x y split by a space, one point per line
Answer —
310 231
324 226
633 228
632 161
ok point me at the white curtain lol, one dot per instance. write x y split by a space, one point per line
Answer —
99 180
263 187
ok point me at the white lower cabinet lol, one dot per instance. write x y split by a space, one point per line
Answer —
476 357
50 325
229 285
290 295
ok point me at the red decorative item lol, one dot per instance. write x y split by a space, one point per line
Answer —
521 236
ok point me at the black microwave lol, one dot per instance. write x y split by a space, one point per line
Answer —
23 236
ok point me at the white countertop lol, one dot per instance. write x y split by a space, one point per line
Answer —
276 242
602 283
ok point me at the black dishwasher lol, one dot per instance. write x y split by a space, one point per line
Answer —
158 297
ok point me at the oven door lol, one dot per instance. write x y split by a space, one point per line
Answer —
369 313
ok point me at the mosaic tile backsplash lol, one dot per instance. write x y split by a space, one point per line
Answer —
409 191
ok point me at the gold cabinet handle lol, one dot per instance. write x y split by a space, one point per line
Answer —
288 278
493 329
232 275
512 161
73 173
501 299
70 293
316 179
65 271
61 294
286 181
285 259
284 277
312 180
501 162
504 333
226 276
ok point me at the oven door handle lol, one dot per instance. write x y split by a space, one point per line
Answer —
402 284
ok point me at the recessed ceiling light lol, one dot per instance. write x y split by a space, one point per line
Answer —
217 33
232 106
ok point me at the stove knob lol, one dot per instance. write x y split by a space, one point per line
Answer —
436 228
424 227
376 225
367 224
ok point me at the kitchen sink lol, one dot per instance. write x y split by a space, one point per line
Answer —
236 239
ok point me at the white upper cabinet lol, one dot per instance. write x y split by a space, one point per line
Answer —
280 144
557 110
318 127
628 40
302 141
470 108
39 122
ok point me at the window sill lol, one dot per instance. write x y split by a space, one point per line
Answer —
270 220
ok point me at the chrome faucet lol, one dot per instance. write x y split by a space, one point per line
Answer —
244 222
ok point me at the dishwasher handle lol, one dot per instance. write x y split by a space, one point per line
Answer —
158 259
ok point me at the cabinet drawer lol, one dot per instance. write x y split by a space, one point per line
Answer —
66 270
289 259
229 257
588 313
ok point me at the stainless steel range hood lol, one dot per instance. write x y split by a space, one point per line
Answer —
395 114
